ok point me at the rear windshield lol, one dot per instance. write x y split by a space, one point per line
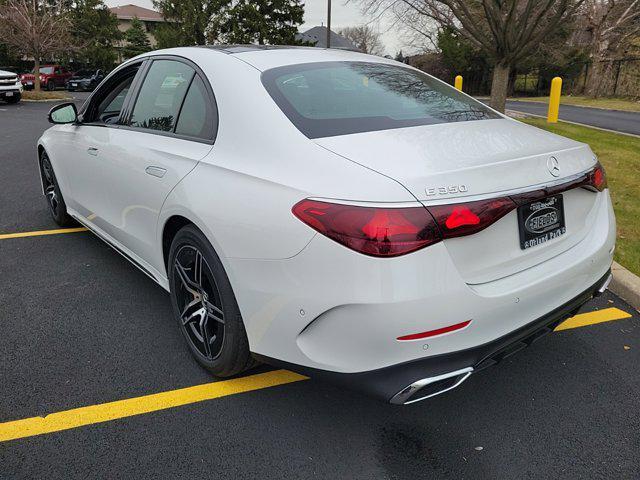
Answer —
46 70
338 98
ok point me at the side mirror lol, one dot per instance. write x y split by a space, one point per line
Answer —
63 113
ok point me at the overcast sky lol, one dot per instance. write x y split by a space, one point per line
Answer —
316 14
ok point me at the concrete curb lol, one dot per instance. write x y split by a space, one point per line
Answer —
574 105
518 114
46 100
626 285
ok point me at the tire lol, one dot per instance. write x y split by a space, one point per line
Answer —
55 201
51 86
205 307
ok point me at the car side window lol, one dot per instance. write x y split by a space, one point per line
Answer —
197 118
106 104
161 95
110 107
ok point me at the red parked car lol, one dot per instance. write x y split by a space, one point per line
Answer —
51 77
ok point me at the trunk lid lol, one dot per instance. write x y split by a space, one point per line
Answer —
466 161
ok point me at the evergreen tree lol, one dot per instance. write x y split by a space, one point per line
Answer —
95 30
270 22
188 21
169 35
137 40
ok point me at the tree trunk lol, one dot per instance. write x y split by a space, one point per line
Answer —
499 86
36 74
599 79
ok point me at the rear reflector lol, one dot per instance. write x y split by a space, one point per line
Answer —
433 333
379 232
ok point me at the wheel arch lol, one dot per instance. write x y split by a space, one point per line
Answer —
170 228
41 150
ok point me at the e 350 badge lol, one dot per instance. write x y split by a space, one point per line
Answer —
446 190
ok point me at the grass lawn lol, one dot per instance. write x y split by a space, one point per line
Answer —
620 155
55 95
610 103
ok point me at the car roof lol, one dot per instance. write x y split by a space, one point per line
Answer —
264 57
241 48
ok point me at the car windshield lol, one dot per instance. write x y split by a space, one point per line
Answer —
46 70
339 98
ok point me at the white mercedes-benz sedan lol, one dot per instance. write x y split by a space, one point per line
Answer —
342 215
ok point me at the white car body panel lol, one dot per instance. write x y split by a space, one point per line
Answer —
305 299
488 157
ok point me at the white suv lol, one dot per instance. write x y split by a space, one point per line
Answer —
10 87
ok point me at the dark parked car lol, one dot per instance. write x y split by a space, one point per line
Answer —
85 80
51 77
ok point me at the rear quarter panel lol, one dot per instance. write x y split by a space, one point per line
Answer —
242 193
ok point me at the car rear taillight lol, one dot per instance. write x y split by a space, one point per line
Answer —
379 232
598 178
390 232
468 218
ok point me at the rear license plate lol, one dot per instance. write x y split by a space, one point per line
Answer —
29 83
541 221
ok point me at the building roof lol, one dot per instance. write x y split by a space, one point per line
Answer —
128 12
318 37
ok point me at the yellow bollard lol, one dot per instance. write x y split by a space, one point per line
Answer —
458 83
554 100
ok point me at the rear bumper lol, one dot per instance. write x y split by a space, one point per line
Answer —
329 308
410 381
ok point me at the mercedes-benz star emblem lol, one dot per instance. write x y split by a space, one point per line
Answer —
553 166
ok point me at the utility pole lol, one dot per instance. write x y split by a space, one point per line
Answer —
328 23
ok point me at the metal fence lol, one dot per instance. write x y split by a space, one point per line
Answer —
616 78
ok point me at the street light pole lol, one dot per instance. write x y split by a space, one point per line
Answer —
328 23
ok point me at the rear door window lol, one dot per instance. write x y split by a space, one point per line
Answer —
197 116
161 95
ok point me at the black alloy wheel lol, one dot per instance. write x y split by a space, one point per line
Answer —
52 193
205 306
199 302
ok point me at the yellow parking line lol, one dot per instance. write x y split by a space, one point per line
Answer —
4 236
591 318
106 412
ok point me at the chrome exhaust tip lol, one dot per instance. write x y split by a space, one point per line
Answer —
605 285
430 387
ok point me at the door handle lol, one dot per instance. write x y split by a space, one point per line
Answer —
92 151
156 171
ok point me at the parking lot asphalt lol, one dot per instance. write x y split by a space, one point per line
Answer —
81 327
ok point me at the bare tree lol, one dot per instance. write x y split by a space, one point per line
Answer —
610 25
36 29
506 30
365 38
